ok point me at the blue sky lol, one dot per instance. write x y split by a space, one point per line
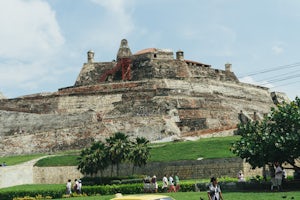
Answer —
44 42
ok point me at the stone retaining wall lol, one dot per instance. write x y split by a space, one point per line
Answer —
54 175
17 175
198 169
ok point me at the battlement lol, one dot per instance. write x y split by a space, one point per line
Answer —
151 63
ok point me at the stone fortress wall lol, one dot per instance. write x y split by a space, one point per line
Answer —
148 94
201 169
27 173
197 170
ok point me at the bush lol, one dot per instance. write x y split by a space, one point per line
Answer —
111 180
137 188
37 194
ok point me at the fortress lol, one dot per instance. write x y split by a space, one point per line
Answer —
149 93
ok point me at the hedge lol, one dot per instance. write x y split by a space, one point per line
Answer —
138 188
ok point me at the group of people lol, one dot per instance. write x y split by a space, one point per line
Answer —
214 190
170 184
76 187
150 184
277 173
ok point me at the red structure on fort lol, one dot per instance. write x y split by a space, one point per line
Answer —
124 65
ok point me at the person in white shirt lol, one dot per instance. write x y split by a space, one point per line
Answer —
214 190
68 187
171 183
241 176
79 186
165 183
278 175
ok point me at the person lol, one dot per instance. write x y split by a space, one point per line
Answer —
75 186
68 187
176 182
165 183
79 186
241 176
214 190
147 184
272 175
278 175
284 175
154 185
171 184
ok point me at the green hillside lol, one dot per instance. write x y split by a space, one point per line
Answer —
218 147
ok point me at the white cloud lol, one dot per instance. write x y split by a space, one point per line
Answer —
29 29
30 38
277 49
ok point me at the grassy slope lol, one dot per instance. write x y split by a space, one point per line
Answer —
191 150
170 151
188 150
14 160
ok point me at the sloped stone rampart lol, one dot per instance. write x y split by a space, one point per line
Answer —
158 108
151 95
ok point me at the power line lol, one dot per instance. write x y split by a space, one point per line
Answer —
282 79
281 67
285 84
280 75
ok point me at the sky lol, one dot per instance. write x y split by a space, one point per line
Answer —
44 43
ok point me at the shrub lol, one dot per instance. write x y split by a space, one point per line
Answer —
112 180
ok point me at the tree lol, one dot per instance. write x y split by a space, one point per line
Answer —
275 138
139 153
93 159
118 149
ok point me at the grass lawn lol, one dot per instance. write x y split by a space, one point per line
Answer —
14 160
59 160
178 196
218 147
227 196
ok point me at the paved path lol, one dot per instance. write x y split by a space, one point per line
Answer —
18 174
32 162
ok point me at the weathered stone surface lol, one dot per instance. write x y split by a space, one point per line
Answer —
164 97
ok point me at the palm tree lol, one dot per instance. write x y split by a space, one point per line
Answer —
118 149
93 159
140 152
